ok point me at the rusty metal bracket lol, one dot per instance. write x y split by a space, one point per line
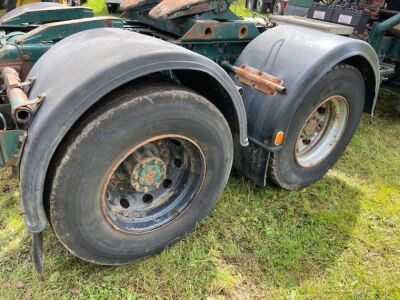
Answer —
261 81
169 9
22 109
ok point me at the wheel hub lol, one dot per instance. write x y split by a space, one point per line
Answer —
153 184
311 128
321 131
148 174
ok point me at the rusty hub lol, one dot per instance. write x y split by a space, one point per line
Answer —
153 184
148 174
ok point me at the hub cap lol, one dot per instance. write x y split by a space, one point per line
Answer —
322 131
153 184
148 174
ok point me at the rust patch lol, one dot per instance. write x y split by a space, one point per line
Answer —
139 4
20 65
243 32
108 23
202 31
22 109
178 8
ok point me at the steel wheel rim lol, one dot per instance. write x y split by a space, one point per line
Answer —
153 183
277 8
259 5
322 131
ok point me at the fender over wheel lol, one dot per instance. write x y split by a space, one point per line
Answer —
320 130
139 173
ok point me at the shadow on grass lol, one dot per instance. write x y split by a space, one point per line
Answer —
287 237
256 237
385 106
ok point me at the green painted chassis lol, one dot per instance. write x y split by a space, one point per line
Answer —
27 40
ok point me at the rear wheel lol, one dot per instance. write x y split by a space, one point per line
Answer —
321 129
261 6
277 8
251 4
112 8
139 174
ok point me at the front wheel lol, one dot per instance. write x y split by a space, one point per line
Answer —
139 173
321 129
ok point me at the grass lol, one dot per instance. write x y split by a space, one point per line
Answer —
339 238
100 8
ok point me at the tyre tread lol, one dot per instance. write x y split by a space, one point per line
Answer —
273 173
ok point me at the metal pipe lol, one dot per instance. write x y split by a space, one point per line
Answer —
21 113
22 109
379 29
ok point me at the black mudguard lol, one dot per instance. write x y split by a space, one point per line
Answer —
301 57
77 72
41 13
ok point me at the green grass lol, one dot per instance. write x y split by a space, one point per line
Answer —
100 8
339 238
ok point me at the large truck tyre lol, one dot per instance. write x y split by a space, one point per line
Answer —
112 8
261 6
251 4
321 129
277 7
138 173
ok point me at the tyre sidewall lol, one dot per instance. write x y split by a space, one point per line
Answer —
260 6
344 81
76 210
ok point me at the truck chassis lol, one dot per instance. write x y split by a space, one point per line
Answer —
123 132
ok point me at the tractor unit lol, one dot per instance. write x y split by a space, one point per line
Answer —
123 131
375 21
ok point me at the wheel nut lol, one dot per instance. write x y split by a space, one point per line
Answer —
156 186
145 190
135 176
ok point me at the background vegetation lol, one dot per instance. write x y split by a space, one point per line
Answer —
339 238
